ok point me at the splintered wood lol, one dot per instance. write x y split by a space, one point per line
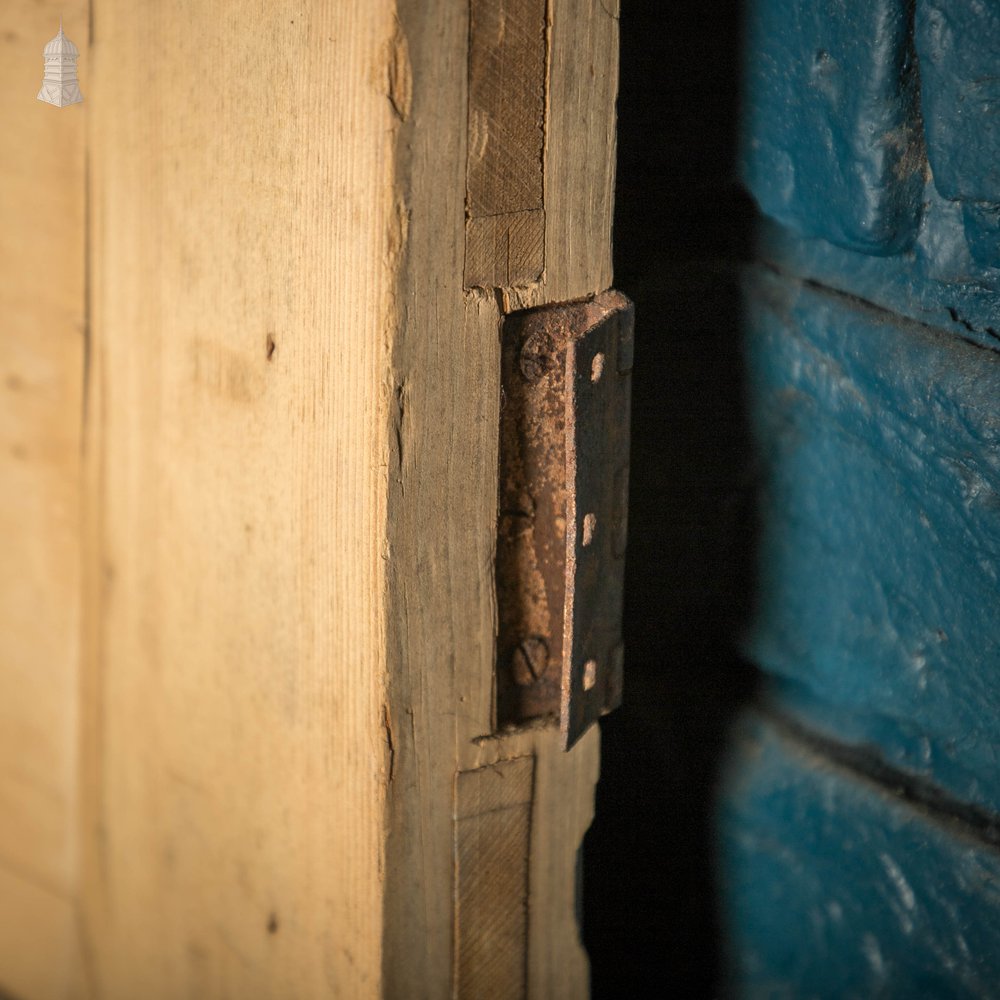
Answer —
505 217
492 850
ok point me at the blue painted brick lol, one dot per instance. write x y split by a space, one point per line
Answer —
831 142
832 888
958 44
936 283
982 230
879 550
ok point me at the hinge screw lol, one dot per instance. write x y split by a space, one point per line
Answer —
530 660
534 359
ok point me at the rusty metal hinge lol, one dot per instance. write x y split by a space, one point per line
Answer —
562 526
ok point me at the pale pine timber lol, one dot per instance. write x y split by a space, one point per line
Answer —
42 331
292 432
243 210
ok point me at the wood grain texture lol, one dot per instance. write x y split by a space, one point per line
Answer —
291 497
38 941
41 375
579 151
492 855
243 241
503 250
442 495
504 201
507 63
579 162
562 810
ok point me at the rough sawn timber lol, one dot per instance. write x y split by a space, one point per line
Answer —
242 206
443 490
291 454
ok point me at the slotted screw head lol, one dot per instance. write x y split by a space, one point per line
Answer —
530 660
534 358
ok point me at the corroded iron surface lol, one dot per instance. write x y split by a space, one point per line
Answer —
562 511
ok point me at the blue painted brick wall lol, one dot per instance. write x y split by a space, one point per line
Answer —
956 42
879 503
837 889
832 145
871 144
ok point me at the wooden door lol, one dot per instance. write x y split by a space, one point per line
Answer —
253 303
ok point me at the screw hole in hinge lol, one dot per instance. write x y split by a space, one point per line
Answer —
589 674
597 367
589 527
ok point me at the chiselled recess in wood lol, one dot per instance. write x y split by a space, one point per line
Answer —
505 216
564 428
492 845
